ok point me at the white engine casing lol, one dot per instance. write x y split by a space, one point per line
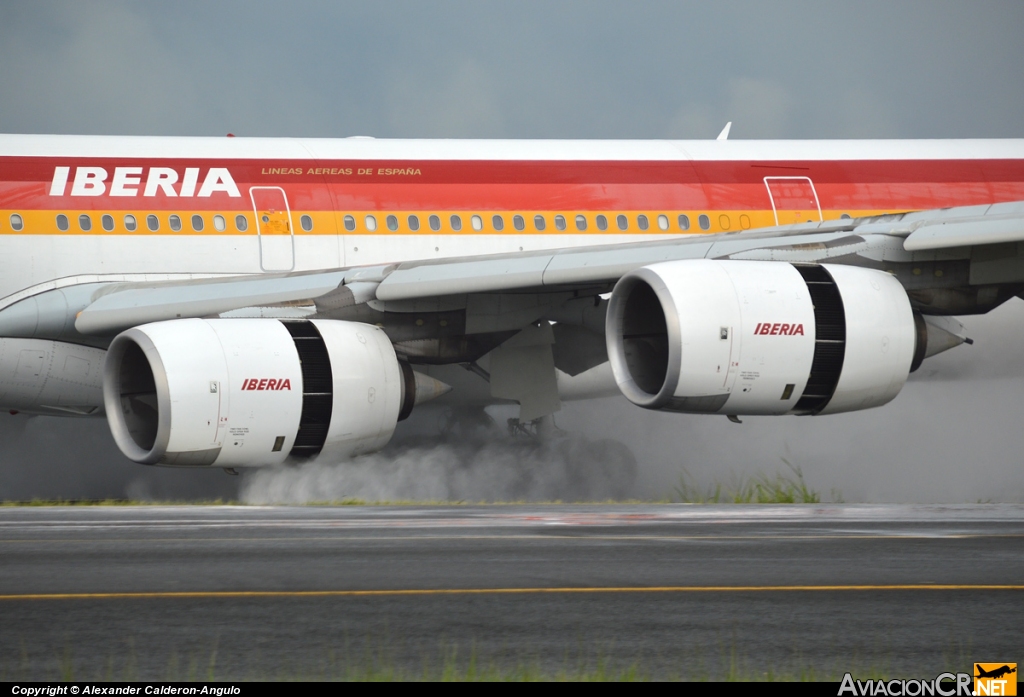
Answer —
231 392
742 337
880 339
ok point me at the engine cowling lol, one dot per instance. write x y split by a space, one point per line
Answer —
753 337
251 392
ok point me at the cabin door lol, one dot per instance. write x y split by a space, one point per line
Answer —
274 228
794 200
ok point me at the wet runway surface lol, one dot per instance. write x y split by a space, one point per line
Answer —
678 590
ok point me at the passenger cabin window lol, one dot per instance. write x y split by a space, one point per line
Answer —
17 222
539 222
62 222
641 222
175 222
197 223
130 223
219 224
684 222
306 222
622 221
414 223
498 222
602 222
518 223
371 223
704 222
435 223
242 223
456 222
350 223
85 222
477 222
392 222
581 222
153 223
560 222
107 221
663 222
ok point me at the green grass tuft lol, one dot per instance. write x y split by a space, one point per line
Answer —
761 488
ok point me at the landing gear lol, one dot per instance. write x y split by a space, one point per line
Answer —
470 457
581 469
543 428
466 422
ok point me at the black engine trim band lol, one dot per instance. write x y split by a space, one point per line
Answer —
317 388
829 339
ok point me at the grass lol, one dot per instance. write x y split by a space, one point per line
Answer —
336 502
760 488
112 502
446 665
782 487
376 662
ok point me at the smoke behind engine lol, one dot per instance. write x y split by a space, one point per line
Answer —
471 468
954 434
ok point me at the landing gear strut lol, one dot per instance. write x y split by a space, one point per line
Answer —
543 428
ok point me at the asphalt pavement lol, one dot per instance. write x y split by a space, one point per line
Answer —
678 590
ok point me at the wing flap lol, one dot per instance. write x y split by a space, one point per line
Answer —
610 263
966 232
463 276
124 307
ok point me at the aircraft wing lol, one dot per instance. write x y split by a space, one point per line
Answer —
927 231
824 327
983 239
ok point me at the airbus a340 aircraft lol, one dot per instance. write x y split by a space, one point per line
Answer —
234 302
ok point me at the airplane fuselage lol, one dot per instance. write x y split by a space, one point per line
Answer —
74 207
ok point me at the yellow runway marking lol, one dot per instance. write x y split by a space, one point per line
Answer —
506 591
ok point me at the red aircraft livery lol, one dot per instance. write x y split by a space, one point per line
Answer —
267 384
773 329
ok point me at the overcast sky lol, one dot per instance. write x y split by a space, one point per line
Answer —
514 69
559 70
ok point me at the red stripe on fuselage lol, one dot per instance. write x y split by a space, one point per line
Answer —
562 185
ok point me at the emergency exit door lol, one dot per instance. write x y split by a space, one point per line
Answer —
274 228
794 199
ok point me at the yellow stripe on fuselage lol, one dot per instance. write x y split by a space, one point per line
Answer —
39 222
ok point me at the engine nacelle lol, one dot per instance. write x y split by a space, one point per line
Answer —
251 392
754 337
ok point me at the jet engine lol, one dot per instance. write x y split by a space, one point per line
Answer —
752 337
250 392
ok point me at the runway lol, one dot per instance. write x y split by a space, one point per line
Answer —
672 590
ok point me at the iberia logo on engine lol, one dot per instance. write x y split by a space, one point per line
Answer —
779 328
267 384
